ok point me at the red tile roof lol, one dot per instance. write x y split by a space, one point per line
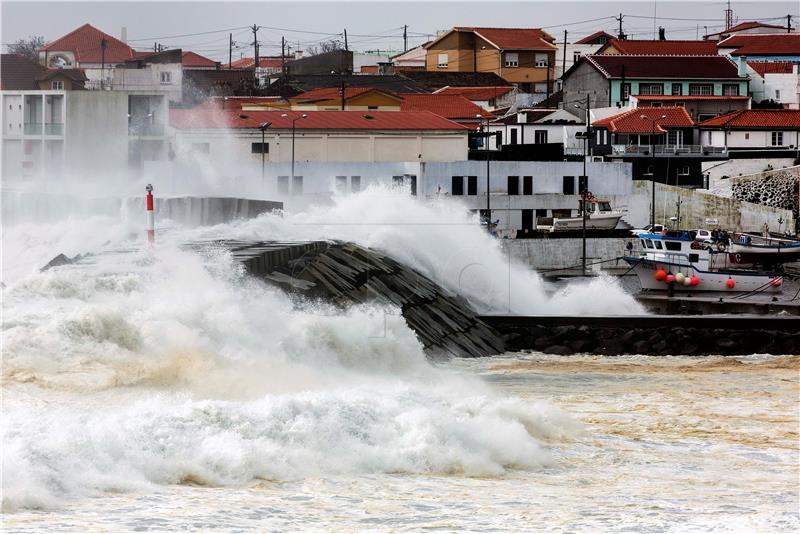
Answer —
476 94
18 73
86 41
765 44
663 48
193 59
236 102
631 122
183 119
772 67
647 98
447 106
677 67
334 93
263 62
755 119
596 35
513 38
746 26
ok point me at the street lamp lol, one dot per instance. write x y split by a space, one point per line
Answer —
653 160
584 190
488 175
294 120
263 127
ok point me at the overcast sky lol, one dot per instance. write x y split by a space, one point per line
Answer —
372 25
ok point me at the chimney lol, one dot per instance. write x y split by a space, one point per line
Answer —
662 36
123 35
298 54
742 66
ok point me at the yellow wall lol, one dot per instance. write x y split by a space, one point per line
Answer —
381 101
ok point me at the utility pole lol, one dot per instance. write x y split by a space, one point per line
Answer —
584 190
620 35
103 44
283 55
788 24
345 40
564 59
230 49
255 45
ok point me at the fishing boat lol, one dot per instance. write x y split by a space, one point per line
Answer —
675 260
599 216
749 250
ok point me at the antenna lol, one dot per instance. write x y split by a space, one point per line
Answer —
728 16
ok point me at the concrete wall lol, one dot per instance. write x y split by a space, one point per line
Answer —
696 207
748 138
740 167
582 81
542 254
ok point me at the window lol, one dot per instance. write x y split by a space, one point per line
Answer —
651 89
675 137
283 185
341 184
746 136
672 245
777 138
259 148
658 245
512 59
457 187
541 60
371 107
527 185
583 183
701 89
397 181
57 85
683 170
472 185
513 185
730 89
201 148
355 184
626 91
648 243
677 88
540 88
576 56
297 185
513 139
569 185
540 137
777 94
166 78
527 219
442 61
656 104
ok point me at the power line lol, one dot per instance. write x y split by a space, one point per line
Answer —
190 34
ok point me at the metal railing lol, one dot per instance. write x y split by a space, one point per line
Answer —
666 150
33 128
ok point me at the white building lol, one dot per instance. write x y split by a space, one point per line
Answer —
412 58
765 130
775 80
536 127
567 54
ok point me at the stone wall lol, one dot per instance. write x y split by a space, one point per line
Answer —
777 189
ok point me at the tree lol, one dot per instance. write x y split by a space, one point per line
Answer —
28 48
325 47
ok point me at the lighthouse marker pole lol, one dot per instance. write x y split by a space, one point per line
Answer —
151 228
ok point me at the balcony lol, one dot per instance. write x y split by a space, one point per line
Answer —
33 128
54 128
664 151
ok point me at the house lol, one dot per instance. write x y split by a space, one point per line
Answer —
746 28
754 133
87 48
699 107
354 99
766 47
489 98
21 74
610 80
456 108
775 81
429 81
193 60
289 85
659 141
567 54
522 56
660 47
233 136
537 127
151 71
411 59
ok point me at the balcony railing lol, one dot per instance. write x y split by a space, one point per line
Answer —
666 150
54 128
33 128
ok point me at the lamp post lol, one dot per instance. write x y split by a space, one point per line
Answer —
294 120
653 160
263 127
585 190
488 176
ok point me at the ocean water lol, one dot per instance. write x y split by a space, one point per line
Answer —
162 389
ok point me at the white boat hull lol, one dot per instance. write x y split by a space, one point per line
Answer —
744 281
602 221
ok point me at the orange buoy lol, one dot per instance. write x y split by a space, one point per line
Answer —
730 283
695 281
661 275
776 282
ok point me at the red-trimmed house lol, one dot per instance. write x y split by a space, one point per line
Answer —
658 141
754 133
